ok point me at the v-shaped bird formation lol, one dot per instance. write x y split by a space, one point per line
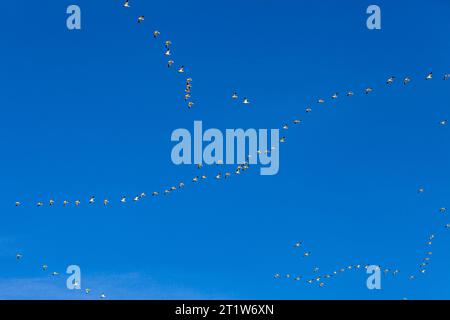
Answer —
316 275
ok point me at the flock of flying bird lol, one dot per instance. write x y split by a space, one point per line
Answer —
44 268
321 279
241 168
425 260
170 62
316 278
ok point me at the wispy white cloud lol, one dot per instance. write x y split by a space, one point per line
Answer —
115 286
33 288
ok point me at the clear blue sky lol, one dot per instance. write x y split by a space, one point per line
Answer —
90 112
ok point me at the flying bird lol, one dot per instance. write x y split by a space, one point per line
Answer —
126 4
368 90
390 80
429 76
140 19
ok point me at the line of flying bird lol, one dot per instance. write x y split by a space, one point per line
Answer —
124 199
170 62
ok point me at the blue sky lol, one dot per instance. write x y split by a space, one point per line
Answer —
90 112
